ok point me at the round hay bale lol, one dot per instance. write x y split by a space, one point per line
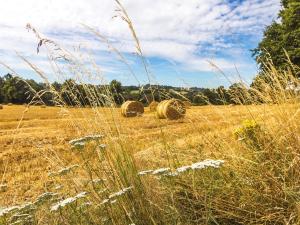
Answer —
132 108
43 106
1 106
153 105
187 104
9 104
172 109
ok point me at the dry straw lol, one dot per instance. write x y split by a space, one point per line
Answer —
187 104
43 106
172 109
153 105
9 104
132 108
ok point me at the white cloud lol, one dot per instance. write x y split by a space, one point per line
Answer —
187 32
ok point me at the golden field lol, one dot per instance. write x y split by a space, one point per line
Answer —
34 140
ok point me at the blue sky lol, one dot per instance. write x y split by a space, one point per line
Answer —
180 39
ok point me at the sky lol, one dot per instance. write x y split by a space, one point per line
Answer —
184 42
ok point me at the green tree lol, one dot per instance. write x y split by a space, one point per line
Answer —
281 36
14 90
116 89
200 99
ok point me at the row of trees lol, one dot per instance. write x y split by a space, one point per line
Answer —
19 91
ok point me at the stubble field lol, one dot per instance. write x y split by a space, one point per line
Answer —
34 140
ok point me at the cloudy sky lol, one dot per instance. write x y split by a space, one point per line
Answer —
178 37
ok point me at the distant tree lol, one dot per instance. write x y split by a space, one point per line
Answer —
223 96
281 35
211 95
200 99
116 86
15 90
116 89
239 94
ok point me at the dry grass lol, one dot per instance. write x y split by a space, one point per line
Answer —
39 145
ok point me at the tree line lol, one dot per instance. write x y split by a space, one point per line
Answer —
16 90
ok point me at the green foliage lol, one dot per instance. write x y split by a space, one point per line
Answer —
116 90
280 37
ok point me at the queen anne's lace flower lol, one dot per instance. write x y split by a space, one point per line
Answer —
87 138
63 171
119 193
141 173
195 166
160 171
5 211
67 201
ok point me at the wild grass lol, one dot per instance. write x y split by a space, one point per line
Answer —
218 165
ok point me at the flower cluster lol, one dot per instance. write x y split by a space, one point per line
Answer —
23 214
79 143
63 171
112 197
195 166
67 201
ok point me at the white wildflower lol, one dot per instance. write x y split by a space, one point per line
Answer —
104 201
58 187
8 210
141 173
183 169
81 195
207 163
27 207
119 193
171 174
199 165
87 138
102 191
160 171
79 145
45 197
63 171
67 201
113 201
102 146
98 181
